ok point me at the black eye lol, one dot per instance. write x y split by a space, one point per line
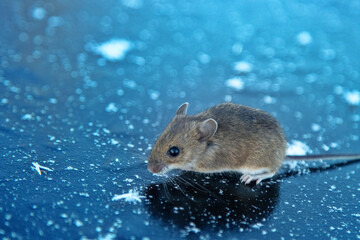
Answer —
173 151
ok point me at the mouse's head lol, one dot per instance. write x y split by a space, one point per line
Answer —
182 142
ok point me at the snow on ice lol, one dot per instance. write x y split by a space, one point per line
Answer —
114 49
235 83
131 196
353 97
304 38
297 148
243 67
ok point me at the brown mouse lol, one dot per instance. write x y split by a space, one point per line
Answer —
225 138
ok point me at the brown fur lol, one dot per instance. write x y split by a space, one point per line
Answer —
245 139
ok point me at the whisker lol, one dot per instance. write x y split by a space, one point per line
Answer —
202 188
167 193
178 186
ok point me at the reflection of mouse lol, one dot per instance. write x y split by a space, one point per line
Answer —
216 203
227 137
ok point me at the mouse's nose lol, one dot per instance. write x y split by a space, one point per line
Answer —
156 166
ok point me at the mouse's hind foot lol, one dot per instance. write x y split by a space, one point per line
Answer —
248 178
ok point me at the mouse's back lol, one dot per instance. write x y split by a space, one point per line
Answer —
249 134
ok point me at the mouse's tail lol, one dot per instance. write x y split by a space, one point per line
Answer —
348 157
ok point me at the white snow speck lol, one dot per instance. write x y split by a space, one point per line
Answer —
257 225
27 117
78 223
120 92
108 236
304 38
131 196
235 83
297 148
192 228
269 100
38 13
335 209
243 67
227 98
353 97
114 142
114 49
154 95
130 83
53 100
135 4
315 127
325 147
111 108
204 58
71 168
128 180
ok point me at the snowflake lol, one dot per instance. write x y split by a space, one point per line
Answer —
131 196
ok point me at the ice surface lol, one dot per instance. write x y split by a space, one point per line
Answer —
235 83
237 48
86 87
114 49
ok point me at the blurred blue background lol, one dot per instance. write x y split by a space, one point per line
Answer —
87 86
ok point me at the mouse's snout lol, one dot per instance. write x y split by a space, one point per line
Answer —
156 166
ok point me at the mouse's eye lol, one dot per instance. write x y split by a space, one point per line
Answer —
173 151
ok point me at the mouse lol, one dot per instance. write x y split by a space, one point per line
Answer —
228 137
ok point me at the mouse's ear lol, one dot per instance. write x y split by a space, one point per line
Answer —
182 109
207 129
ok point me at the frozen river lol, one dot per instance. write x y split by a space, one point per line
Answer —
86 87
